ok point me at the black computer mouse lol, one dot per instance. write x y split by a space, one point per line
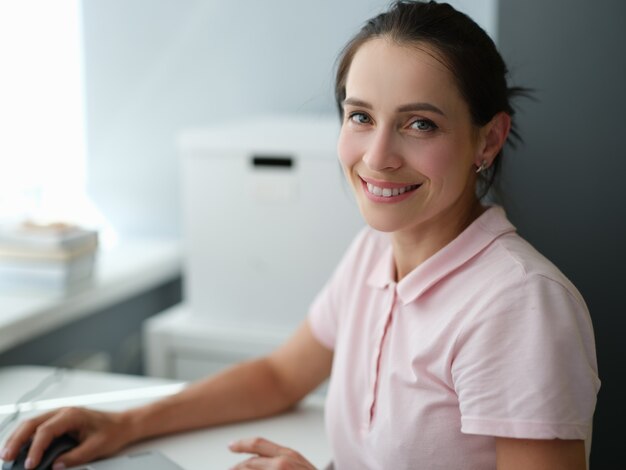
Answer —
58 446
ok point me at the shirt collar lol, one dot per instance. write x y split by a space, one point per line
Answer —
475 238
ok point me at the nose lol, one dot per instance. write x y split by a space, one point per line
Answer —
382 152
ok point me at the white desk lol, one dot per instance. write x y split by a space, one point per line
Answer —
127 270
301 429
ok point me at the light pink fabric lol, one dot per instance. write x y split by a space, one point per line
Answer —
486 338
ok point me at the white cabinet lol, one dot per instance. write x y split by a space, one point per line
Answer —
267 215
177 346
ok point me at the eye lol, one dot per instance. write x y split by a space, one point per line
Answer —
423 125
359 118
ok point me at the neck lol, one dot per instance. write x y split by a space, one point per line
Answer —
414 246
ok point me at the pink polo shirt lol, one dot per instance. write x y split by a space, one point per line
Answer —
486 338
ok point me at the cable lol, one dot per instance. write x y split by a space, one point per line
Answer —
53 378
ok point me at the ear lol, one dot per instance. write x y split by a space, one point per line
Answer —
493 135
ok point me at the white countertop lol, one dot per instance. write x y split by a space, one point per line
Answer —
129 269
301 429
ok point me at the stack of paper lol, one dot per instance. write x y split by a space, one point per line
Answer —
51 255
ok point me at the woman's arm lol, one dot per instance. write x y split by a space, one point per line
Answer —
249 390
540 454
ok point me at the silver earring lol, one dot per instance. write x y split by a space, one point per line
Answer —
483 166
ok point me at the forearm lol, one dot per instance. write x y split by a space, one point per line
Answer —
536 454
246 391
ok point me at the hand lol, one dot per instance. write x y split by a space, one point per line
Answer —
269 456
100 434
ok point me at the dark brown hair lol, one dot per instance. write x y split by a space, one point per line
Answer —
466 49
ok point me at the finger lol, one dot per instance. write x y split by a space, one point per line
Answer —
60 423
87 451
257 445
21 436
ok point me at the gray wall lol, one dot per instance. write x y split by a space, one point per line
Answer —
153 67
565 186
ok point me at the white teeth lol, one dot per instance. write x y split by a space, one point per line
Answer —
388 192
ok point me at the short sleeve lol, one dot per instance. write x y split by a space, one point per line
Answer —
325 310
526 366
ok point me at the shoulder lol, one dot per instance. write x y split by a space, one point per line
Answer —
511 280
508 261
522 265
520 293
362 256
346 284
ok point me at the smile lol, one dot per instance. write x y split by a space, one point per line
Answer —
390 192
386 192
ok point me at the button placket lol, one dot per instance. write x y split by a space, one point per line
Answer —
381 332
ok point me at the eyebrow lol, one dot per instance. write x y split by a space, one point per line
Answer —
403 109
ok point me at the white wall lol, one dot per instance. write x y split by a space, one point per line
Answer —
156 66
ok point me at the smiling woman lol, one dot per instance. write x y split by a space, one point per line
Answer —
446 301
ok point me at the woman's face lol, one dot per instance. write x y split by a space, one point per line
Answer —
407 145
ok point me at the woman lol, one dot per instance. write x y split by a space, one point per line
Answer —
452 342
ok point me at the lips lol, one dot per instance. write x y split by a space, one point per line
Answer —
384 191
390 192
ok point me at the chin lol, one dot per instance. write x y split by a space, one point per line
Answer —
380 218
383 224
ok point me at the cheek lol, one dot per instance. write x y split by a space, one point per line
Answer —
450 158
434 161
348 149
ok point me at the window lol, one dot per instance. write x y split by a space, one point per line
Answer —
42 111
